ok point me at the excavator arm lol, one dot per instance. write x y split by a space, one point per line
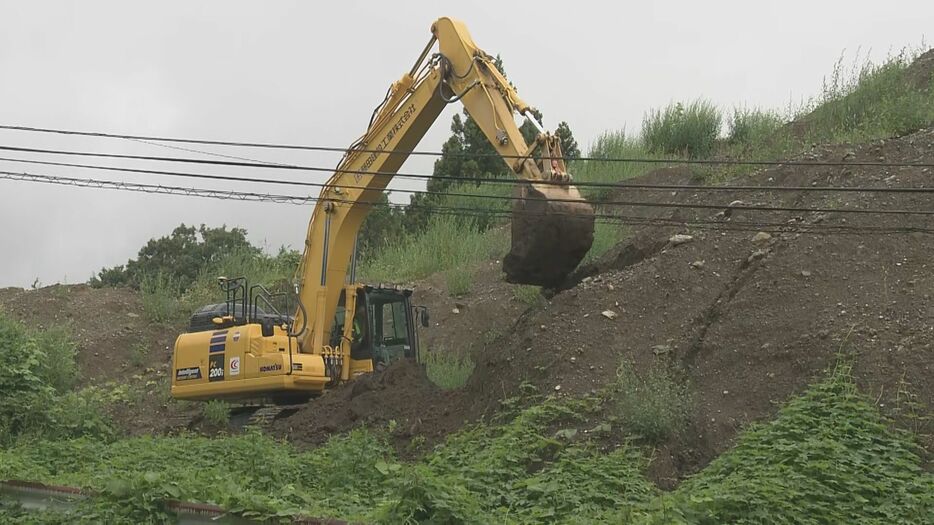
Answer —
552 224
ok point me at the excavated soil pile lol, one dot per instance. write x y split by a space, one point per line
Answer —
752 306
400 397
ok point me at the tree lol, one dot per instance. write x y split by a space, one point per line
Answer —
568 144
180 256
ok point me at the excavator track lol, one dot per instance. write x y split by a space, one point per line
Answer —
261 416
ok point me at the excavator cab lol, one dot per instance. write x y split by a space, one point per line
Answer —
383 324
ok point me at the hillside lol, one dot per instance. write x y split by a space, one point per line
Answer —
710 363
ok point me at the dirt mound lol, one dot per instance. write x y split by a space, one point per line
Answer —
753 305
113 335
400 397
921 72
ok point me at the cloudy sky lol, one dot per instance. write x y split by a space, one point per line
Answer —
305 72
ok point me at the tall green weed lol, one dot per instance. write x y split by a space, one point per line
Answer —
678 129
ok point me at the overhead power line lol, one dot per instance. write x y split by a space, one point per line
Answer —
647 204
712 224
644 160
510 181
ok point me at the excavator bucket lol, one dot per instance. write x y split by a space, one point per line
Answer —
552 230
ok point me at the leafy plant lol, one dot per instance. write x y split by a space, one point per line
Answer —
37 369
829 457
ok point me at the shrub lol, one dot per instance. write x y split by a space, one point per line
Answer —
690 130
753 127
159 294
654 405
446 369
36 370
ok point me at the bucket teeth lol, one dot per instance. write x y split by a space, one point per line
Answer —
552 230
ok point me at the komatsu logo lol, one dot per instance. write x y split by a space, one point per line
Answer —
403 119
270 368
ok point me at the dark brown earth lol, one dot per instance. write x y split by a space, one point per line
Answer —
400 398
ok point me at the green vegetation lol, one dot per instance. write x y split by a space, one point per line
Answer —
691 130
829 457
37 374
216 413
447 370
655 405
871 101
180 257
753 126
528 294
447 242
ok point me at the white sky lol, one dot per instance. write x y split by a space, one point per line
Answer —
311 73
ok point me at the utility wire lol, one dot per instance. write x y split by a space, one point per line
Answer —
510 181
794 227
472 155
732 206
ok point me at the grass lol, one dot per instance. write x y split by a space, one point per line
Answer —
605 236
447 244
753 126
216 413
160 296
869 101
447 370
691 130
654 405
527 294
612 144
458 281
138 353
57 346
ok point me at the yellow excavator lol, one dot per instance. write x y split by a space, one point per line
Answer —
246 348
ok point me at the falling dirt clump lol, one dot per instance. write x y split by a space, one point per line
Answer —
401 397
552 230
